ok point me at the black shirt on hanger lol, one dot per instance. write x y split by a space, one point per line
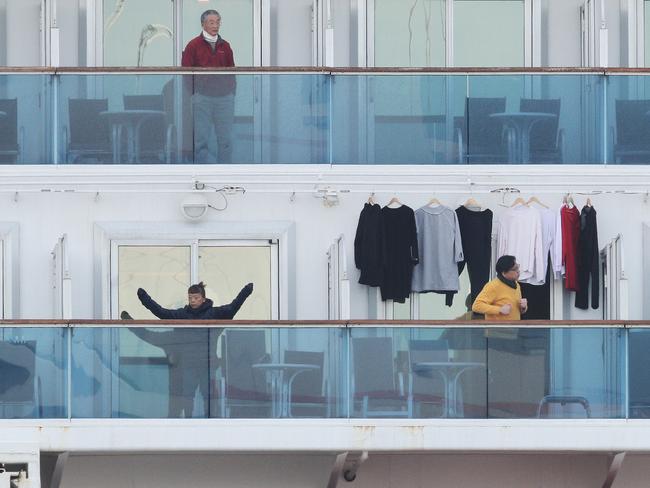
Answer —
476 234
400 252
368 245
588 259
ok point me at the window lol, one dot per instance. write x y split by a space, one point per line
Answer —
450 33
154 33
164 258
166 271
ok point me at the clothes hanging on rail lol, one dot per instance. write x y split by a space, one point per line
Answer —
440 250
589 259
570 251
520 235
549 245
368 245
539 298
400 252
476 236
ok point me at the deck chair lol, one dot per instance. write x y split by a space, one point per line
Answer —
546 138
19 394
307 393
87 137
11 137
481 138
632 134
428 391
156 135
242 389
377 390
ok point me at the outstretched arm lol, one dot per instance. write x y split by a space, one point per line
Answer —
154 308
158 339
228 311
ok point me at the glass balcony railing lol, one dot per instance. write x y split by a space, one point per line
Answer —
316 117
328 370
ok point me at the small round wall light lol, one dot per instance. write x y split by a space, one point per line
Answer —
194 207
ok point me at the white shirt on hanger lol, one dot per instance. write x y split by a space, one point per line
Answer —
520 235
556 252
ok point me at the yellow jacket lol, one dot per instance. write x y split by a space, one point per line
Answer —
495 294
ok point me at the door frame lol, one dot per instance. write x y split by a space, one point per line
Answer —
108 235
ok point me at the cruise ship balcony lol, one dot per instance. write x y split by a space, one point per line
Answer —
355 389
325 116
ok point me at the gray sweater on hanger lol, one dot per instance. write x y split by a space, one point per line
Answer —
441 249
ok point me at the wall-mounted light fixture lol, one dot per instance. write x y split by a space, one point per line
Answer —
194 207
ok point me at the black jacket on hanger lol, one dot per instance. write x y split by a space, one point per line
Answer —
588 259
368 245
476 234
400 252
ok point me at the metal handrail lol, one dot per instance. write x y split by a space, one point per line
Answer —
325 70
550 324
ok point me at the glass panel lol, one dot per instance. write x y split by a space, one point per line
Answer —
256 373
236 25
25 119
296 121
628 124
226 269
3 260
560 373
489 33
355 119
33 372
532 119
222 128
395 119
409 34
646 30
419 373
138 33
163 271
639 373
120 118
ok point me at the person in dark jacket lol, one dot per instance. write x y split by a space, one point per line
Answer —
199 307
191 352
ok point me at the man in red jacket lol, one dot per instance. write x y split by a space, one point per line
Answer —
213 99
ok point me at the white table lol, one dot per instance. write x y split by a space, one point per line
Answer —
450 372
522 123
280 376
131 120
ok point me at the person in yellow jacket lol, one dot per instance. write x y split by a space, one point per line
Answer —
500 299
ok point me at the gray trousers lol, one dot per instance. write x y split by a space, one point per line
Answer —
208 112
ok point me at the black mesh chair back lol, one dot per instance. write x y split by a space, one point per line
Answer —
152 132
9 147
633 123
484 133
89 131
543 135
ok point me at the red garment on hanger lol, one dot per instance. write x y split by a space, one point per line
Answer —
570 238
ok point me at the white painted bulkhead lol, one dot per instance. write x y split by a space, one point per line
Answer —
49 202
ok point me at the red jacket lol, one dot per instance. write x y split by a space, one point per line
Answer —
198 53
570 237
